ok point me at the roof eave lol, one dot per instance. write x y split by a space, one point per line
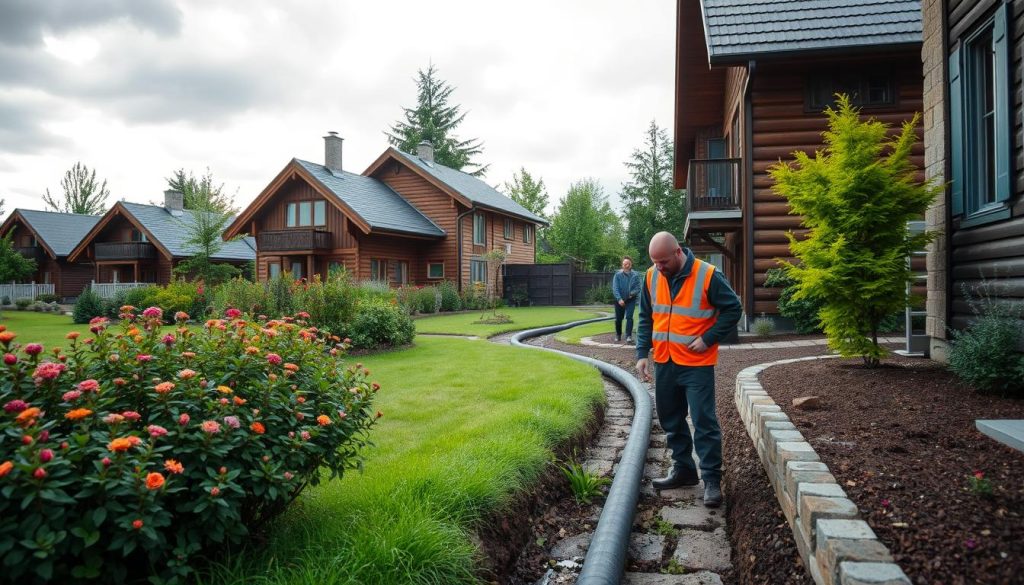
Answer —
845 50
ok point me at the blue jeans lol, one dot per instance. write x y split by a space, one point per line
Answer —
627 312
675 388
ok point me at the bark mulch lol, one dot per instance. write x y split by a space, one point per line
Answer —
902 441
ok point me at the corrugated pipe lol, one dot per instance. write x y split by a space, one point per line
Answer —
606 557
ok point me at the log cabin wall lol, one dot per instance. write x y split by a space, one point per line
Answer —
69 280
273 215
784 123
993 252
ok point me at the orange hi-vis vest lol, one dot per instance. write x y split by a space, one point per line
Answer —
678 321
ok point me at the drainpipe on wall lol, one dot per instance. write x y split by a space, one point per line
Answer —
458 232
748 189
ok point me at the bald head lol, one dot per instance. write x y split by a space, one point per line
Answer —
665 253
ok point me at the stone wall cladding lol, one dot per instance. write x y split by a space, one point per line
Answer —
836 545
934 68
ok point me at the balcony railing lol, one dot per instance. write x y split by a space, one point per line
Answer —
32 252
292 240
124 251
713 185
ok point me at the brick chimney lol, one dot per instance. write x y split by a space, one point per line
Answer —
425 150
332 152
174 202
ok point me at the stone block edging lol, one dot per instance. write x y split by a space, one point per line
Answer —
836 545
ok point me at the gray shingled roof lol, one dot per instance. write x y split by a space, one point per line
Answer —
472 188
376 203
61 231
171 232
737 28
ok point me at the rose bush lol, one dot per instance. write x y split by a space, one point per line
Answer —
134 450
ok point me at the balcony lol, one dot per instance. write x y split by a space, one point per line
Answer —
36 253
713 185
124 251
293 240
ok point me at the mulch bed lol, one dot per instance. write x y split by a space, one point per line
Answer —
902 441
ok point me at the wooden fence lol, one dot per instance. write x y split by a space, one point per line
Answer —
550 284
15 291
109 290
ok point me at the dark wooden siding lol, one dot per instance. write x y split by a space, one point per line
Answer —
782 125
273 215
992 253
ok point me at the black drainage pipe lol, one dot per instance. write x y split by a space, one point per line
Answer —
606 557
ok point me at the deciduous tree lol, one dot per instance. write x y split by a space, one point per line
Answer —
528 192
201 192
586 229
82 192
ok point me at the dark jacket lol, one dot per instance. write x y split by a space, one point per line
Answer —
626 286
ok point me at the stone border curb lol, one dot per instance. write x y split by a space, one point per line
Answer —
836 545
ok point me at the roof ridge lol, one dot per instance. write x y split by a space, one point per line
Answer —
56 212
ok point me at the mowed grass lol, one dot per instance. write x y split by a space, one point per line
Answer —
522 318
48 329
467 424
574 335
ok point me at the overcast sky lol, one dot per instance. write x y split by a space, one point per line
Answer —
138 88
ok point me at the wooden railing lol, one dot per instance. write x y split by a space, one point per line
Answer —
124 250
288 240
33 252
713 185
109 290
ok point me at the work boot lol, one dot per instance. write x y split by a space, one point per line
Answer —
676 478
629 339
712 494
618 339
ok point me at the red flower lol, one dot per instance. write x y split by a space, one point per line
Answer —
39 473
232 313
10 359
48 371
88 385
137 524
979 474
144 357
33 349
46 455
15 406
273 358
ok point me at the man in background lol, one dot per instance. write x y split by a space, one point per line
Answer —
625 288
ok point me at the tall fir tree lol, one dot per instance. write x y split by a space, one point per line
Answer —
82 193
434 119
650 202
528 192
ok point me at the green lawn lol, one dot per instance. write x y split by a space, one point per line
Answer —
466 425
591 329
48 329
522 318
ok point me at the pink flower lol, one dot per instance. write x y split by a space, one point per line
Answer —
288 475
105 461
232 313
153 313
113 418
215 491
15 406
181 316
46 455
305 435
33 349
131 415
302 315
144 357
183 419
10 359
970 543
168 340
211 426
71 395
187 374
44 436
48 371
156 431
274 359
88 385
98 321
885 503
39 473
232 421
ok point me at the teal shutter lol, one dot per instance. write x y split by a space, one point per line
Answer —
957 134
1003 119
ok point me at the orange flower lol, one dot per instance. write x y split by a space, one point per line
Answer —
133 331
6 468
173 466
72 335
28 416
187 374
258 428
7 336
122 444
291 367
252 350
154 481
323 420
239 401
164 387
78 414
224 389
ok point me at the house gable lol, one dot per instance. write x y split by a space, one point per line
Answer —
111 218
15 220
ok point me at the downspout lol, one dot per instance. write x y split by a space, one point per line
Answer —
748 190
458 232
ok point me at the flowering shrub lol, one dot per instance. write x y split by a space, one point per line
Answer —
136 449
381 324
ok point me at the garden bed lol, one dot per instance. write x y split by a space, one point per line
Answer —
901 441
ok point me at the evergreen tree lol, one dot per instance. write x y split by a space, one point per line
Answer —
13 266
200 192
585 228
856 196
650 202
82 194
435 120
528 192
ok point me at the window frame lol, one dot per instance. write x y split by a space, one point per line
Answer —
270 269
834 80
398 272
377 267
527 233
474 266
479 229
321 205
510 229
294 211
431 265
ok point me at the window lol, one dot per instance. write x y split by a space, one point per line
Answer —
510 229
306 213
400 272
379 270
527 233
296 269
435 270
477 271
138 236
479 229
864 89
274 269
46 278
980 122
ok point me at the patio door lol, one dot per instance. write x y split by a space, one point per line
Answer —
719 175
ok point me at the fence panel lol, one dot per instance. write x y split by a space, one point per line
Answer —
584 281
544 284
16 291
108 290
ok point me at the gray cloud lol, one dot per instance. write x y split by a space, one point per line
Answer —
24 22
20 130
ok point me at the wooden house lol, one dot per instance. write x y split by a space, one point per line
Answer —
406 219
48 238
133 242
752 80
972 57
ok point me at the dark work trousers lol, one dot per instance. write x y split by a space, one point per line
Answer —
627 312
675 387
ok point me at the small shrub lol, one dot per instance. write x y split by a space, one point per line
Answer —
146 448
985 354
380 324
87 306
803 312
599 294
585 484
519 296
331 304
450 300
22 304
474 297
238 293
764 325
369 290
428 300
6 300
47 298
981 486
